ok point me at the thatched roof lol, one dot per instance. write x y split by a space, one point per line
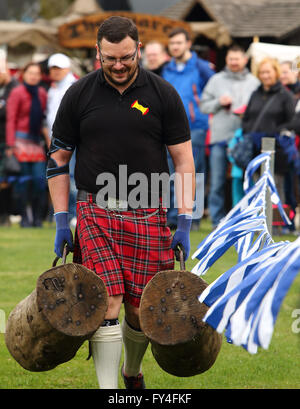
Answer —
83 7
265 18
14 33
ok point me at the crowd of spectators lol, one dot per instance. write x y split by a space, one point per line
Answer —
221 107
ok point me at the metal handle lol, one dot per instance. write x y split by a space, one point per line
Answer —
179 254
64 257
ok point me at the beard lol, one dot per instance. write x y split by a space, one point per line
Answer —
179 56
131 71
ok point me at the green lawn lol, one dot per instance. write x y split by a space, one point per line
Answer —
26 253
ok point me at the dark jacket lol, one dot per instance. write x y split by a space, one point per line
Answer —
4 93
277 117
295 122
278 114
294 125
159 70
295 89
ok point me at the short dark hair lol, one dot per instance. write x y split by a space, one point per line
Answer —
179 30
31 64
114 29
236 48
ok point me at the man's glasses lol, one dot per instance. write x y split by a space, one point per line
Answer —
127 59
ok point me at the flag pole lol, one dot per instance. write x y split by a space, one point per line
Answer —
268 145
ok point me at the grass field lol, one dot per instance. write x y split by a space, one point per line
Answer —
26 253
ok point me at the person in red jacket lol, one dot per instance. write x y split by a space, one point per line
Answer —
25 113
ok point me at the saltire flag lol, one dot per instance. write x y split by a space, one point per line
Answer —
276 199
248 245
247 216
225 241
243 221
255 298
252 324
253 166
267 312
251 292
235 275
249 172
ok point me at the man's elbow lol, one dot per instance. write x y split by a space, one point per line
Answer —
61 157
58 164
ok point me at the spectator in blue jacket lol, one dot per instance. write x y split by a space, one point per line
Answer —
188 74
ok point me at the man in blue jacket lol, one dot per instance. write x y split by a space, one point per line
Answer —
188 74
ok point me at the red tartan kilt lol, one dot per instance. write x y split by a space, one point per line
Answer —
125 253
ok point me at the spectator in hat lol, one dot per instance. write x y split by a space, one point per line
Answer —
62 78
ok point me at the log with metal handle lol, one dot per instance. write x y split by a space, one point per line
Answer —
49 326
171 317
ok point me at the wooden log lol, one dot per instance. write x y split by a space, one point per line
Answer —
48 327
171 317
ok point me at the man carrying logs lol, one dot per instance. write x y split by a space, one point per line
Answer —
120 119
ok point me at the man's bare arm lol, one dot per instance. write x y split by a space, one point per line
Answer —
182 156
59 186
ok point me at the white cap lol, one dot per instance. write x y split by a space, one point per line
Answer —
59 60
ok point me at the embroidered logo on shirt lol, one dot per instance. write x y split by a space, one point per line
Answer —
136 105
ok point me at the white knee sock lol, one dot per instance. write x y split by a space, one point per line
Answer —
106 345
135 345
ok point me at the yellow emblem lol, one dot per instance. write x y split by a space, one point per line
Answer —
136 105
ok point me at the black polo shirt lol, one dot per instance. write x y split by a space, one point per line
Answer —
109 129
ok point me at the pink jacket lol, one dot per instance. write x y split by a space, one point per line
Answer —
18 111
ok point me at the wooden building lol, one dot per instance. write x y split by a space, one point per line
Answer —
272 21
213 24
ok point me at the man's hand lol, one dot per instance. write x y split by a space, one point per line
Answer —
63 233
182 234
225 100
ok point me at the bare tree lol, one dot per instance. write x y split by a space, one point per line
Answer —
53 8
24 10
3 9
29 10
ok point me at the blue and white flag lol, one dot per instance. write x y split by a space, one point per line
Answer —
246 299
263 158
235 275
220 312
225 241
253 322
266 316
248 245
276 199
249 308
247 216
